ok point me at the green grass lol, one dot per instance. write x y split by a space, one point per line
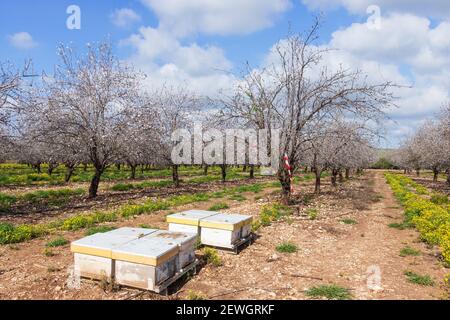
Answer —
192 295
48 197
401 226
408 251
87 220
19 174
6 201
312 214
237 197
287 247
53 197
255 188
349 221
147 226
58 242
273 212
15 234
439 199
419 279
48 252
218 194
212 257
99 229
219 206
330 292
142 185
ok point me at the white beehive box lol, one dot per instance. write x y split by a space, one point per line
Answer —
188 221
185 241
93 254
145 263
224 230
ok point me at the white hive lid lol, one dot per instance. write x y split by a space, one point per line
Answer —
149 251
100 244
226 221
134 232
177 238
190 217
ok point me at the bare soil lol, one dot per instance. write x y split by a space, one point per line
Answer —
329 252
439 186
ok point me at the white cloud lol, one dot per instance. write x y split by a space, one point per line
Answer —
22 40
165 55
407 50
204 69
439 9
183 18
125 17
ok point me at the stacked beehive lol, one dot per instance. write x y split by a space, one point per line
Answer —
150 258
141 258
93 254
213 228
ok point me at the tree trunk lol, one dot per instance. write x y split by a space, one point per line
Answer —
448 177
418 172
118 166
38 168
93 188
133 171
317 185
404 171
85 167
69 172
435 175
244 169
334 174
347 173
223 169
341 177
51 167
252 172
285 186
205 170
175 177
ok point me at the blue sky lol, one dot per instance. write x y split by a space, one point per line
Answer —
46 22
204 43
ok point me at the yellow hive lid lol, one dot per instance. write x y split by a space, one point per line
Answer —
229 222
190 217
148 251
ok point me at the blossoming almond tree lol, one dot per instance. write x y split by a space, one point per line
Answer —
296 89
87 102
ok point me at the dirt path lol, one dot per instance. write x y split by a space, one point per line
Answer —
338 254
329 252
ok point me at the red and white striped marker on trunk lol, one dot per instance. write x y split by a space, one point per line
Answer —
288 167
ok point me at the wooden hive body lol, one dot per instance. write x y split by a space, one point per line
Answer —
224 230
93 254
145 263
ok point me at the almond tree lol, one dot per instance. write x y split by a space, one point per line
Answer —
445 129
165 111
433 147
336 146
296 90
87 104
9 85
